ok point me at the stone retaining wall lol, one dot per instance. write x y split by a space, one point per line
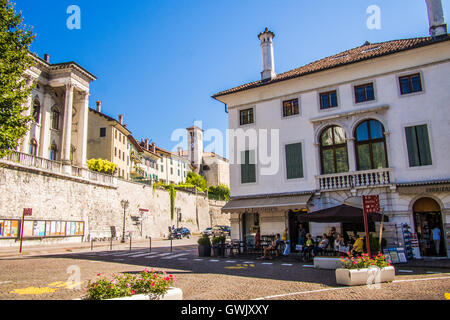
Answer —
57 198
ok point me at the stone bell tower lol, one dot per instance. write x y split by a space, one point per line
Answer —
195 145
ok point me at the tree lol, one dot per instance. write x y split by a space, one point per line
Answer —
196 180
15 59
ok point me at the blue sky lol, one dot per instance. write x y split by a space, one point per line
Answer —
159 61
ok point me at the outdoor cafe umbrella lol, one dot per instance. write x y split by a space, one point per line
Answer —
342 213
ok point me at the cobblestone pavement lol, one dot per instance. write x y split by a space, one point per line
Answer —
241 278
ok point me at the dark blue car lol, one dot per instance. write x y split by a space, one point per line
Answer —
181 233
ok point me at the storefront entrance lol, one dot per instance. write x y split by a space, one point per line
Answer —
294 225
250 224
428 222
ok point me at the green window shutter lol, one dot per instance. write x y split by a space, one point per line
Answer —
423 143
248 167
418 143
294 161
411 143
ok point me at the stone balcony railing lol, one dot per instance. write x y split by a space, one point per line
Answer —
56 167
356 180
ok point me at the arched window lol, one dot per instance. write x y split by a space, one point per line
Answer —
55 118
333 150
36 112
33 147
370 146
53 152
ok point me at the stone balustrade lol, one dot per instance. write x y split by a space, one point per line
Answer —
47 165
357 179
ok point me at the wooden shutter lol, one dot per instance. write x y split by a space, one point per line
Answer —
294 161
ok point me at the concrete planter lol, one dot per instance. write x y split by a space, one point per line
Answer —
358 277
327 263
171 295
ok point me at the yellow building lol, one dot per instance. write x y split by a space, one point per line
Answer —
108 139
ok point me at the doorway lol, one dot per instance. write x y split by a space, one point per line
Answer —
293 225
429 225
250 224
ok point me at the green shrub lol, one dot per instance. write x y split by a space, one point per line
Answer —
204 241
102 166
218 240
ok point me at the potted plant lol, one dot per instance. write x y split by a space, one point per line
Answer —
147 285
204 246
218 246
365 270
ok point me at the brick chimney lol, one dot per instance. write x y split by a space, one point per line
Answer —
438 28
121 118
146 144
180 151
99 106
153 147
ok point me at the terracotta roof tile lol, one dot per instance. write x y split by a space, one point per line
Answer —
365 52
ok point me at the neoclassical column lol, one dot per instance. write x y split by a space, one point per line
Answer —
351 154
67 128
44 143
29 104
83 130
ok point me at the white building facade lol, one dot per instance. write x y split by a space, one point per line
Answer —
373 120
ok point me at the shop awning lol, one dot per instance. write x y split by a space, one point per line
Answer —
343 213
269 203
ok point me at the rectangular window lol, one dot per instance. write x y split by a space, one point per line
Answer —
246 117
171 170
294 161
418 144
290 108
102 132
328 100
115 137
364 93
115 151
410 84
248 167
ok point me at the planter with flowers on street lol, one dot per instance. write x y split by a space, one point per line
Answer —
147 285
364 270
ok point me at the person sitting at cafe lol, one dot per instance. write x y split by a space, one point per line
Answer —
339 243
309 245
323 244
332 234
274 246
358 247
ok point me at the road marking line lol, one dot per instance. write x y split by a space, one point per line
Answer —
198 259
141 255
308 266
175 256
214 260
301 292
248 262
230 261
421 279
405 271
287 264
267 263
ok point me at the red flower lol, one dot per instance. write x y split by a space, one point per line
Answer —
99 274
133 292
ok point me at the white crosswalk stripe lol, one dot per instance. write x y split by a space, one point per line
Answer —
175 256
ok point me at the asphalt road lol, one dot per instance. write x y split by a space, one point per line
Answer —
54 276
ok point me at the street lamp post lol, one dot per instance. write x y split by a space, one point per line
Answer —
124 204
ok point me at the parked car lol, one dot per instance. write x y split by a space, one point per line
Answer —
180 233
221 230
207 231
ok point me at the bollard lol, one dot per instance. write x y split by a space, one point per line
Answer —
110 244
171 244
130 241
150 244
92 244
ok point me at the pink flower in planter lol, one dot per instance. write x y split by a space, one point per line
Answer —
146 270
153 284
128 285
99 274
133 292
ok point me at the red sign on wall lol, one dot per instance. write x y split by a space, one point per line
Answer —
371 204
